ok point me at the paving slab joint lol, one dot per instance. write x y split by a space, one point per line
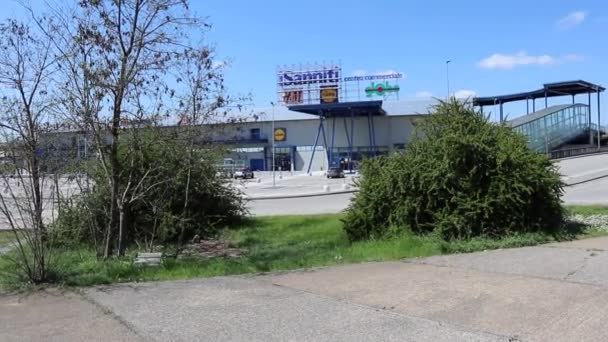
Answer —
108 311
390 310
578 269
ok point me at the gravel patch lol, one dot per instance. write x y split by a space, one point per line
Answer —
211 249
599 222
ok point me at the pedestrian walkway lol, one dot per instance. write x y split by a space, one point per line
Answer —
56 315
555 292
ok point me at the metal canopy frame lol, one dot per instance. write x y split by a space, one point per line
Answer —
548 90
555 89
346 110
341 109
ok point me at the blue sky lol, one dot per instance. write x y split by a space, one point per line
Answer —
495 47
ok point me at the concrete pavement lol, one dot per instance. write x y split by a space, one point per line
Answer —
556 292
55 315
250 309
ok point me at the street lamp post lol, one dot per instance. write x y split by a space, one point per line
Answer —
272 137
447 75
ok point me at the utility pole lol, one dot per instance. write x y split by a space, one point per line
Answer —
599 134
447 75
272 137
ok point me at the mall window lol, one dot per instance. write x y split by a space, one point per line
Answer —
248 149
309 148
281 150
399 146
371 149
254 134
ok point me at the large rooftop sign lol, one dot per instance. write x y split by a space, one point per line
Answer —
308 83
325 76
325 83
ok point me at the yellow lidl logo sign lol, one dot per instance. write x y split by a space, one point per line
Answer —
329 95
280 134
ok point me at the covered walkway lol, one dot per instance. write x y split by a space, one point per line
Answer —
554 126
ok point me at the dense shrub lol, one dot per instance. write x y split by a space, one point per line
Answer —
461 177
155 165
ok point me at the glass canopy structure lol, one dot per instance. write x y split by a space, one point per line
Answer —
554 126
551 127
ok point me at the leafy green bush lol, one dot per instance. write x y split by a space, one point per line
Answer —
156 175
462 177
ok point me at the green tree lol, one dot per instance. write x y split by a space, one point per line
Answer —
123 64
462 177
158 169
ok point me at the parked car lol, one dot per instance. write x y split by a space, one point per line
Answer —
335 172
226 174
245 173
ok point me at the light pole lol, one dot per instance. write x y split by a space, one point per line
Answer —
272 137
447 75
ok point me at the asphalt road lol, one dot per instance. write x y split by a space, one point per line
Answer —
583 167
325 204
594 192
574 170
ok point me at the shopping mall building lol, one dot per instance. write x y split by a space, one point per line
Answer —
342 120
322 119
311 142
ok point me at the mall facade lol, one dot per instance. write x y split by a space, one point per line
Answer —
308 142
322 119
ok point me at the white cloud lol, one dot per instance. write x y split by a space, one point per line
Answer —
500 61
464 94
424 94
572 20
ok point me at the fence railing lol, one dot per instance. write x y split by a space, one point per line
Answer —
573 152
594 127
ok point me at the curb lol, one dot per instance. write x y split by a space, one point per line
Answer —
586 180
315 194
590 154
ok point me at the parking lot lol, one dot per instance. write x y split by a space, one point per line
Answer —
586 179
16 195
298 193
293 184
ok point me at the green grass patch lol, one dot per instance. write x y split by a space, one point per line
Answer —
6 237
587 210
271 244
